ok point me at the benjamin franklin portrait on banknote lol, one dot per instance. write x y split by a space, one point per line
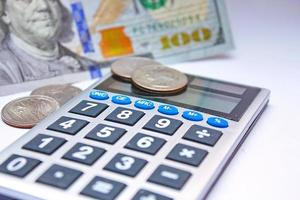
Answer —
33 33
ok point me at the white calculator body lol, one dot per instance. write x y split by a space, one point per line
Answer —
116 142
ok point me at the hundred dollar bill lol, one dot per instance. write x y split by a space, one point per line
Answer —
61 41
169 30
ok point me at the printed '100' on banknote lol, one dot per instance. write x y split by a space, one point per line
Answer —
168 30
58 41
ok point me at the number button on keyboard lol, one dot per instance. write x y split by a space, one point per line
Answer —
103 189
145 143
147 195
106 134
68 125
19 165
85 154
59 176
163 125
170 177
187 154
203 135
126 165
89 108
125 116
45 144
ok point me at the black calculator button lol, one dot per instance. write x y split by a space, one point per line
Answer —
68 125
187 154
103 189
203 135
59 176
18 165
85 154
126 165
45 144
145 143
106 134
89 108
125 116
170 177
163 125
147 195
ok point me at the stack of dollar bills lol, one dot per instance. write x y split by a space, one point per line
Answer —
45 41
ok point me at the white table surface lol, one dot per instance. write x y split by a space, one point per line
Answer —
267 38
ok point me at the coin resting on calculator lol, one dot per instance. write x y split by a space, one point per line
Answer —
113 143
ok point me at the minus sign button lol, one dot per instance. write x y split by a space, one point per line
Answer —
169 175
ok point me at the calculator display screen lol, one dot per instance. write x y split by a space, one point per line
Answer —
213 97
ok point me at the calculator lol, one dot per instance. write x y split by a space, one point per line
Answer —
115 141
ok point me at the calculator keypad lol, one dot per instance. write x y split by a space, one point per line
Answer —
125 116
85 154
103 189
203 135
145 143
163 125
187 154
68 125
59 176
106 134
45 144
170 177
145 195
89 108
19 165
126 165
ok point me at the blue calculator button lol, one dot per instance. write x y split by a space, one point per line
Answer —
217 122
144 104
98 95
192 115
168 110
121 99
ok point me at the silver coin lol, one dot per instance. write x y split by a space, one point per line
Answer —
61 93
26 112
159 79
124 67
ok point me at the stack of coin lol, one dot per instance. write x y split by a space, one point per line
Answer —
159 79
26 112
124 67
149 76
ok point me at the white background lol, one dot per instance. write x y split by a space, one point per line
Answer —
267 39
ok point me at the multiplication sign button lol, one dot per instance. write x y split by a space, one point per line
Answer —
187 154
